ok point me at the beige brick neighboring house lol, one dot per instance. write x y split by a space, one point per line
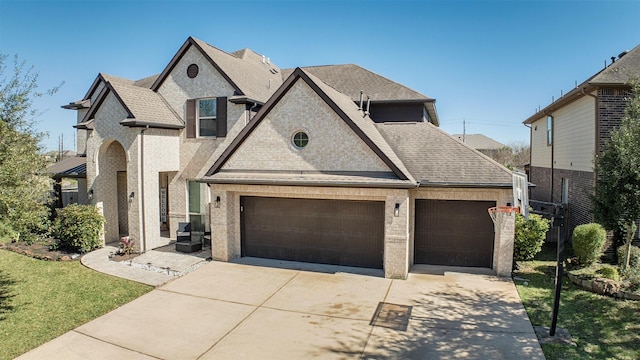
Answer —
293 164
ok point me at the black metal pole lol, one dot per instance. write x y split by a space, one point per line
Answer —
559 274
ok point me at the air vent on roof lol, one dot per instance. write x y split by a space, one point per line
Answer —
623 54
274 71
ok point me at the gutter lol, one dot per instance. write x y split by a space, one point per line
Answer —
354 184
426 183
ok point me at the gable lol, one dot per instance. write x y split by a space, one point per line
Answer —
108 115
333 145
209 82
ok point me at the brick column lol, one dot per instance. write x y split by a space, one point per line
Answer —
396 238
504 238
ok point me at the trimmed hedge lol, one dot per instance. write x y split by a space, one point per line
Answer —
529 236
588 241
78 228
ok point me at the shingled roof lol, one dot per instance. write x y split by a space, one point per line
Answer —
362 125
71 167
434 158
350 79
479 141
627 67
144 106
244 70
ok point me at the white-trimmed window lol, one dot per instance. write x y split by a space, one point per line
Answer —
549 130
207 117
198 199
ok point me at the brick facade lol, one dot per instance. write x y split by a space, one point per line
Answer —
398 234
611 105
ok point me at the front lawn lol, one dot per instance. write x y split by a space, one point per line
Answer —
602 327
41 300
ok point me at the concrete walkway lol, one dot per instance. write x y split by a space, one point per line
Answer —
245 311
155 267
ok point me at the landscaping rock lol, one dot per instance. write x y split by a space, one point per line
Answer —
605 286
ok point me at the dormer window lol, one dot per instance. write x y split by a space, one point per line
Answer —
207 115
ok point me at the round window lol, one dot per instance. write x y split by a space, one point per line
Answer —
300 139
192 71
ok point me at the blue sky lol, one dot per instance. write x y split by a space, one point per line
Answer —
491 63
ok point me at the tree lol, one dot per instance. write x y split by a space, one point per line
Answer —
616 200
24 191
513 156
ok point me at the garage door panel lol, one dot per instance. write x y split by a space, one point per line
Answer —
454 233
339 232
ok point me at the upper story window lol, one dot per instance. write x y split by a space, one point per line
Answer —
207 115
549 130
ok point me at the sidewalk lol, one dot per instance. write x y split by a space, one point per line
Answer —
155 267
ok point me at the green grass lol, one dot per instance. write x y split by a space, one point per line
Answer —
602 327
41 300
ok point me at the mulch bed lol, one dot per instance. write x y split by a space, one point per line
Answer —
123 257
40 250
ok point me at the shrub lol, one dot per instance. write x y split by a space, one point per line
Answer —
609 272
634 258
529 236
588 241
7 233
78 228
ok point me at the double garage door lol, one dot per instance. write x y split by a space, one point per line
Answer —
337 232
351 233
454 233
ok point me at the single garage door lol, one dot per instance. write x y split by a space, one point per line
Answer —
454 233
337 232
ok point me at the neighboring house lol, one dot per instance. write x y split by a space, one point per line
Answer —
329 164
73 167
567 134
482 143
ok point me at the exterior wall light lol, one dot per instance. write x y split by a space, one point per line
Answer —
90 194
131 196
396 210
216 203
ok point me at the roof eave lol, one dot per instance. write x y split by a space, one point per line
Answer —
425 183
77 105
309 183
149 124
568 98
244 100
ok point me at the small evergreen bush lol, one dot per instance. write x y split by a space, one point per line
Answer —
78 228
529 236
634 258
588 241
609 272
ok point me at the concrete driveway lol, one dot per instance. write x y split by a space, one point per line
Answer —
242 311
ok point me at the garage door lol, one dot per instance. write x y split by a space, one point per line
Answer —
337 232
454 233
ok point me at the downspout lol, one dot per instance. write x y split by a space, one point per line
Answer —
143 243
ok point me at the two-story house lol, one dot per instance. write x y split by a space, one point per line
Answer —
327 164
566 134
